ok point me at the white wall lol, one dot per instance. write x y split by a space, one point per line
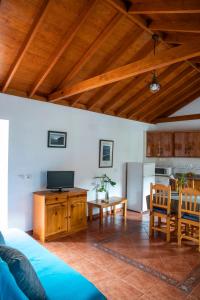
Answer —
4 133
182 164
29 154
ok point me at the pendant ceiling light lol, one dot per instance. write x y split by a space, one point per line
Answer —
154 85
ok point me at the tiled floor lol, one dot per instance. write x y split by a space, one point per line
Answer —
121 261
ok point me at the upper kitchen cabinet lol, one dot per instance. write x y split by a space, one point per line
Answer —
187 144
159 144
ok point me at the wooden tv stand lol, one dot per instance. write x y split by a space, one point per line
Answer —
57 214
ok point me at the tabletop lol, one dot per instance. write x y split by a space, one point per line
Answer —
103 203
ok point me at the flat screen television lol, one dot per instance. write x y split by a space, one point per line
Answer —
59 180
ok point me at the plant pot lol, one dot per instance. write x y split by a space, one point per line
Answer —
107 196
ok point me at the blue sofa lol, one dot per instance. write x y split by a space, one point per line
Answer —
59 280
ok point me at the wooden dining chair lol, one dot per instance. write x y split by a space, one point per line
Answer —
189 215
160 207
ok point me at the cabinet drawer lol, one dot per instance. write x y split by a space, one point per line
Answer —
55 199
78 199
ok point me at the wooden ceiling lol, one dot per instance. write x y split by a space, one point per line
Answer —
98 54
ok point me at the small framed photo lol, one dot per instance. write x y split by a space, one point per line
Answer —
57 139
106 153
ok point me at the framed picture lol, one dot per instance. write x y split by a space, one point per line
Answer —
106 153
57 139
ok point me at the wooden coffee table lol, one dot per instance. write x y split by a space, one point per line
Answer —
101 204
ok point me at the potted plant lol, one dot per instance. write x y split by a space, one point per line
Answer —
103 185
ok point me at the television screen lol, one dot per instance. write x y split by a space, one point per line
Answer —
60 179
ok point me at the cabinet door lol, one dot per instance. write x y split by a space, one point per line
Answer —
159 144
56 218
179 140
166 144
77 213
152 144
195 144
187 144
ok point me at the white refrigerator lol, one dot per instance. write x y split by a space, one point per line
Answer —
138 179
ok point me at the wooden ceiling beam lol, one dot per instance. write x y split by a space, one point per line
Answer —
92 49
140 22
162 59
129 103
144 51
195 60
117 98
192 26
111 59
175 97
121 7
165 7
140 102
15 92
25 45
121 94
145 106
169 94
178 118
183 101
180 37
66 41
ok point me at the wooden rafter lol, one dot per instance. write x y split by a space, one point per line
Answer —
165 7
185 100
171 88
111 59
66 41
143 52
23 50
129 103
180 37
178 118
140 22
163 59
144 106
176 25
196 60
121 94
120 6
175 97
140 101
92 50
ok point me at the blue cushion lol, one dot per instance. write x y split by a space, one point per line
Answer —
2 241
23 272
9 289
191 217
160 210
59 280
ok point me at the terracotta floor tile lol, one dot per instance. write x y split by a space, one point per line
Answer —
140 280
196 292
119 290
166 292
111 257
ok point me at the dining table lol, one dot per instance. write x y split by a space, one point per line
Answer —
174 202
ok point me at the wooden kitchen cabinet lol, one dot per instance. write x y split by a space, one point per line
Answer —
159 144
187 144
58 214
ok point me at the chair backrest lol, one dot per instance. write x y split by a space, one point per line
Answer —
160 196
189 201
